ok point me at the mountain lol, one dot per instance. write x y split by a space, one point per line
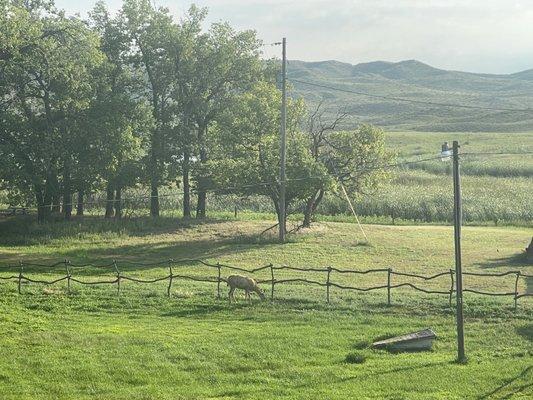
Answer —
422 83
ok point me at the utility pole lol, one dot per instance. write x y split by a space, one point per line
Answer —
457 221
282 212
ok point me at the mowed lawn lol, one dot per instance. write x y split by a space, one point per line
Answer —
143 345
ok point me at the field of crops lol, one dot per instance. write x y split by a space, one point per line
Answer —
497 188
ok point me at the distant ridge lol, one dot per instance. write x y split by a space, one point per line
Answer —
416 80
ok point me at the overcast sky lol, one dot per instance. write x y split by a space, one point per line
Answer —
493 36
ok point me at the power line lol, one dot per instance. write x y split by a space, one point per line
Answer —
403 99
268 183
498 154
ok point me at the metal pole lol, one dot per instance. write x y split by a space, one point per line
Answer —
458 267
282 220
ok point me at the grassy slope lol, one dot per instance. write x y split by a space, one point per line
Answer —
143 345
414 80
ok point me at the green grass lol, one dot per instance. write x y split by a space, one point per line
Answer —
496 188
143 345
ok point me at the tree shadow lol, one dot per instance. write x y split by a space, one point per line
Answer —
24 230
393 371
526 331
507 384
146 255
513 262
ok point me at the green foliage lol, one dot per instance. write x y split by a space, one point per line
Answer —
248 149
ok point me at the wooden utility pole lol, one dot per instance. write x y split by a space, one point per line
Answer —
282 211
457 222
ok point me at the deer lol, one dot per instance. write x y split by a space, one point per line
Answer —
247 284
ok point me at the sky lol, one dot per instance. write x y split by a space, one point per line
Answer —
489 36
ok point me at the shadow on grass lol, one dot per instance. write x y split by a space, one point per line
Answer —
210 245
526 332
373 374
24 230
517 260
508 385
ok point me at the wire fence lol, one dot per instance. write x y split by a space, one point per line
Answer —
71 271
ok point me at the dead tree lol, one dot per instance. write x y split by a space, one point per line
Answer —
318 129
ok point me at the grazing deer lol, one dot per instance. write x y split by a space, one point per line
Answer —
245 283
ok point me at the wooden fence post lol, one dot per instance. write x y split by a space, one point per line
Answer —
169 278
20 276
451 286
118 277
273 282
218 279
67 262
327 285
516 290
389 273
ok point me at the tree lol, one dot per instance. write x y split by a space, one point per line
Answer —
46 65
353 158
118 118
153 33
248 149
223 63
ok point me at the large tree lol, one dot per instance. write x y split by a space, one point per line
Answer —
46 65
153 33
223 63
119 117
248 150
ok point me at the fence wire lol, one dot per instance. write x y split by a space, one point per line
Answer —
119 276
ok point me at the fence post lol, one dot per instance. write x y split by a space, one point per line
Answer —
389 276
67 262
451 286
327 285
170 277
516 290
20 276
218 279
273 282
118 276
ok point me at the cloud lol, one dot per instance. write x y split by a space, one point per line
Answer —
473 35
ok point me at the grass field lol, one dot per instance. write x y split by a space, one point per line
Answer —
144 345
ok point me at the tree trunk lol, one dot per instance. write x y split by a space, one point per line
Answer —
43 210
202 194
276 207
52 193
67 194
118 203
110 200
79 205
154 200
310 208
154 176
186 186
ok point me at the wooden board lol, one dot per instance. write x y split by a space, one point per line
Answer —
420 340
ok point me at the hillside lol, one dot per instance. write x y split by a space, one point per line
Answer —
415 80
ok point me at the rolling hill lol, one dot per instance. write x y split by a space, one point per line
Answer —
415 80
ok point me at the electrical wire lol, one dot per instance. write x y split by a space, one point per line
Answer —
402 99
276 182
